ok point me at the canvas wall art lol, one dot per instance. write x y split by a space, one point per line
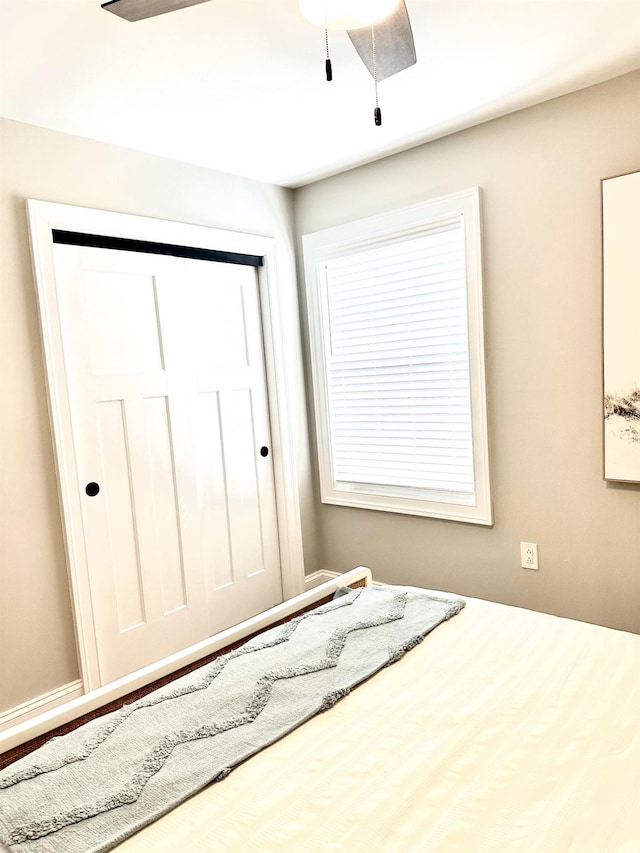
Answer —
621 326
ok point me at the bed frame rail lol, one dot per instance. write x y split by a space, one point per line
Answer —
89 702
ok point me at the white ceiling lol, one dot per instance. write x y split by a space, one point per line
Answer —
238 85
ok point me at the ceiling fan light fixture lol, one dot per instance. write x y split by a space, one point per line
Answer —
346 14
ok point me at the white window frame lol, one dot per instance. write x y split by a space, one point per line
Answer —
352 237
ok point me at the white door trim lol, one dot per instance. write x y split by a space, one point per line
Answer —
280 358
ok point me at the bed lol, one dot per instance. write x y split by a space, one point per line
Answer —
504 730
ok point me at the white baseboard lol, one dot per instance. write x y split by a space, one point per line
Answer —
46 702
316 578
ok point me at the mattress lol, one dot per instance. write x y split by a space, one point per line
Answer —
505 730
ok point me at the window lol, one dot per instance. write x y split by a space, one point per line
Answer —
395 314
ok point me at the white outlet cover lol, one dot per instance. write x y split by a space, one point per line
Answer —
529 555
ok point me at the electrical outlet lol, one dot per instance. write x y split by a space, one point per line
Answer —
529 555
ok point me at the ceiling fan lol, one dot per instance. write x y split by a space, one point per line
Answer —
380 30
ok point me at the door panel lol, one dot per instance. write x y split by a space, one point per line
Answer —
230 424
216 545
131 300
121 534
166 379
165 511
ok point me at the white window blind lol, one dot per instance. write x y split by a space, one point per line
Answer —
397 362
397 352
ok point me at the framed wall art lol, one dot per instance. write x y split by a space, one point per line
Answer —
621 326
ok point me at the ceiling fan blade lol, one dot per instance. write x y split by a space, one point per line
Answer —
138 10
395 48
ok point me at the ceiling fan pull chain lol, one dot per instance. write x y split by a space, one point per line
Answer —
377 113
327 63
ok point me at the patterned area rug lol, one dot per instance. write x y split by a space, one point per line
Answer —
90 789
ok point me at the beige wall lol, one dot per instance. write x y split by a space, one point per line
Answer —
539 170
37 645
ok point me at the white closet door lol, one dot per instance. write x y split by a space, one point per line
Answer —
165 371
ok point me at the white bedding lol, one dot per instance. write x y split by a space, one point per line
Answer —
505 730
